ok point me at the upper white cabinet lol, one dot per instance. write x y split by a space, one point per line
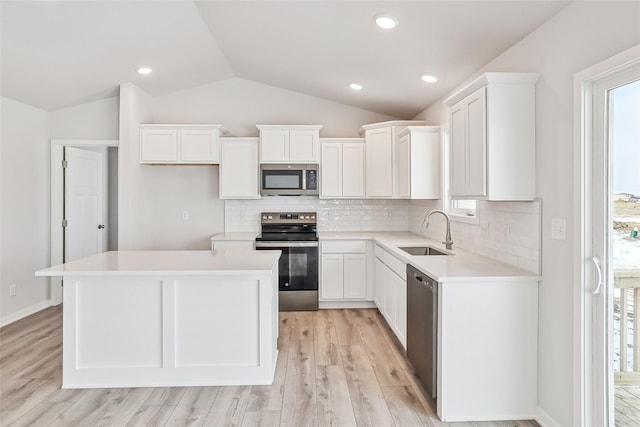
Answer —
380 153
289 143
239 168
179 144
417 163
492 137
342 168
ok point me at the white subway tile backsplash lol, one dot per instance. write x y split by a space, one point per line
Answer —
333 214
508 231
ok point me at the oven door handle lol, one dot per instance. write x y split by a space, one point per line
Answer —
286 244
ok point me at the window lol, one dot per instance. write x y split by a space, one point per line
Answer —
464 210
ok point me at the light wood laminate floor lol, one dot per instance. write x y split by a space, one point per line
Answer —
335 367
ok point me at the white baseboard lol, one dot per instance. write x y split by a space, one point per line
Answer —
346 304
544 419
27 311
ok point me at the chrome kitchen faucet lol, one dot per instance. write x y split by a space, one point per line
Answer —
425 223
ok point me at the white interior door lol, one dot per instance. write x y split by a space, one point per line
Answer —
84 194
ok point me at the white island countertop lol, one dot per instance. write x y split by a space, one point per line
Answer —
184 263
459 266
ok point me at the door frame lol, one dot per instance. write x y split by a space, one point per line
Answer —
588 410
57 203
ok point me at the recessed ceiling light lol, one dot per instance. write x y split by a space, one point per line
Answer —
385 21
144 70
355 86
429 78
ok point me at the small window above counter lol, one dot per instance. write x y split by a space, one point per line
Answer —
179 144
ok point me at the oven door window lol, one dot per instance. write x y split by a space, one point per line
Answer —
282 180
303 269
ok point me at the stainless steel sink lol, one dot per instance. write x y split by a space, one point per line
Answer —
422 250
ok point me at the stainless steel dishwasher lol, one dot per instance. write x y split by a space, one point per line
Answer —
422 327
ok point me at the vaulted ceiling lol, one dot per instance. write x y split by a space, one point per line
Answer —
57 54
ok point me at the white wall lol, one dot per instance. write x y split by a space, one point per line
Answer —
24 223
582 34
93 120
239 105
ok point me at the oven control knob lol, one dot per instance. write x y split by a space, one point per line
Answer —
286 284
270 217
313 217
264 217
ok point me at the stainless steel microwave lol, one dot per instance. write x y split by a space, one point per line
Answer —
289 179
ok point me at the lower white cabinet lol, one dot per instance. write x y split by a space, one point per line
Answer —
390 292
239 168
343 270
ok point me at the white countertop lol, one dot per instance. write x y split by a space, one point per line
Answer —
242 236
460 266
184 263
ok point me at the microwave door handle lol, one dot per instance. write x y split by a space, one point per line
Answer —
304 179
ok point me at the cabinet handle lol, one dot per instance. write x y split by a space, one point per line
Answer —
101 226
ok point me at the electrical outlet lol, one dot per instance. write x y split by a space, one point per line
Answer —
559 228
185 215
12 290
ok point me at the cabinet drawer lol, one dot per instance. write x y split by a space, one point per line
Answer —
379 252
399 267
344 247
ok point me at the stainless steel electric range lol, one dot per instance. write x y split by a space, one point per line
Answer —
295 234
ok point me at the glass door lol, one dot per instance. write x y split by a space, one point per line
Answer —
615 217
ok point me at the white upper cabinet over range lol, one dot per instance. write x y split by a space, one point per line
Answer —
342 168
492 137
289 143
179 144
239 168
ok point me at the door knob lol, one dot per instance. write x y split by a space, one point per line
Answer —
100 226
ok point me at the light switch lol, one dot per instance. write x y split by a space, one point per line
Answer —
559 228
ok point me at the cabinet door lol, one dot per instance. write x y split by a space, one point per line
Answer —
239 170
400 312
158 146
355 276
331 170
274 146
378 284
332 271
403 167
353 170
388 298
477 142
198 146
303 146
458 150
379 163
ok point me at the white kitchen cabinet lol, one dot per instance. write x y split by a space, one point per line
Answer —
390 293
179 144
417 163
343 270
492 138
378 283
487 349
239 168
380 153
342 168
289 143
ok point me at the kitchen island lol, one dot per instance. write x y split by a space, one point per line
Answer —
169 318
